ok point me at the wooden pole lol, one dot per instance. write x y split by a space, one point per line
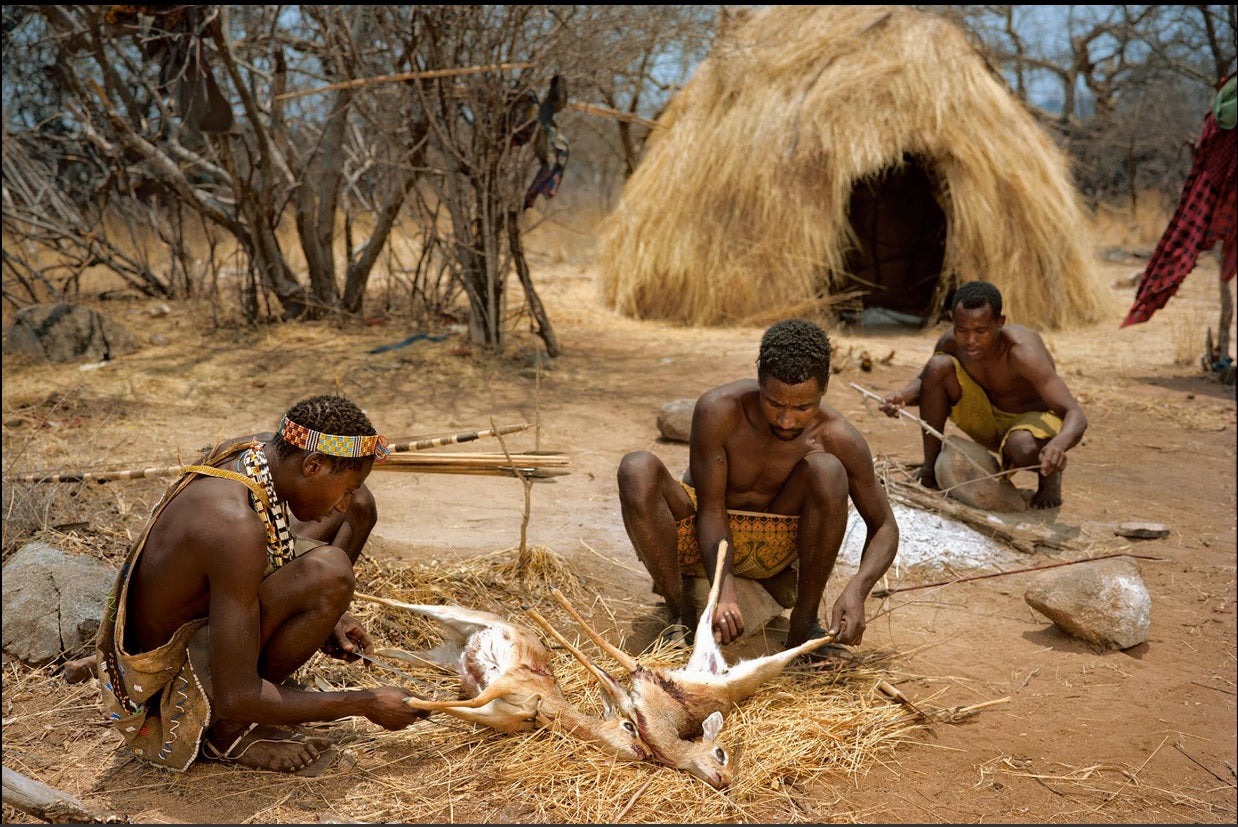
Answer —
50 804
903 412
435 442
169 470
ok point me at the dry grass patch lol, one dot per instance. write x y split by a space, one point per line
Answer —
796 743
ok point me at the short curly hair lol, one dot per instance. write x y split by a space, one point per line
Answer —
976 294
328 415
794 351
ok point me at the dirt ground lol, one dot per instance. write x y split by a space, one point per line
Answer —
1074 735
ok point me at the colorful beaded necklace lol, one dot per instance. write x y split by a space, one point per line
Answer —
279 537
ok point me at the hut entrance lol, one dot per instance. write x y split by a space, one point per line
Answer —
902 236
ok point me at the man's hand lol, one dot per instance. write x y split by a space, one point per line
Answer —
728 621
892 403
848 622
390 711
347 638
1052 459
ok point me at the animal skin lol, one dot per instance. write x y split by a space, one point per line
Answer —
506 675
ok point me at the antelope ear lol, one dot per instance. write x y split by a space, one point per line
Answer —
712 726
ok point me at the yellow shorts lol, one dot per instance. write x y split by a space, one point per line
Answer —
764 544
991 426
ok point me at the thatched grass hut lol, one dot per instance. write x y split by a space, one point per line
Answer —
822 151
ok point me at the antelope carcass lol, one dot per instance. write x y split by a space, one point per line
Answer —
506 674
672 706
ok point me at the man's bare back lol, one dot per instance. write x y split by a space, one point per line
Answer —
221 553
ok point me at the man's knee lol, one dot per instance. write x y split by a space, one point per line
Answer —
637 469
363 510
328 578
1021 448
938 370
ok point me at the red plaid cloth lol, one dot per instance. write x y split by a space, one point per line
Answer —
1206 213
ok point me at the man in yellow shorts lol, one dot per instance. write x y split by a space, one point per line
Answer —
998 383
771 470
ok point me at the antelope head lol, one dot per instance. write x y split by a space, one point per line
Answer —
656 708
670 706
616 732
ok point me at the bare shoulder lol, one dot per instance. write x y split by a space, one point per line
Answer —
946 343
723 403
1018 334
839 436
211 531
729 394
210 507
1027 347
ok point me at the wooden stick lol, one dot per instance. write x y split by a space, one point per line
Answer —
903 412
1194 761
424 75
50 804
606 111
537 466
469 436
968 710
162 471
989 477
891 691
885 592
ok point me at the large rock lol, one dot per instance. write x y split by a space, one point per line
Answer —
1105 602
970 467
53 602
64 332
675 420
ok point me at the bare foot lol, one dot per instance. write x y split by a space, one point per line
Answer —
266 747
927 477
1049 494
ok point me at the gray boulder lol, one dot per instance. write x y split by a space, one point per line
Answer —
1105 602
64 332
969 466
675 420
53 603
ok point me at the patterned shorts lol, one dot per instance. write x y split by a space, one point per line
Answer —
764 543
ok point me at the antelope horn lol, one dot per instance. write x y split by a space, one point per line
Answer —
605 680
627 661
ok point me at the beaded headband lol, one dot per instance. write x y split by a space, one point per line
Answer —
337 446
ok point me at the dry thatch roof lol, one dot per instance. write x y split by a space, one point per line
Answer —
741 208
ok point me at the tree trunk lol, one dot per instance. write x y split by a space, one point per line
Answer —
544 328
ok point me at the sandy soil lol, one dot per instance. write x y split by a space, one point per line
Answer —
1076 735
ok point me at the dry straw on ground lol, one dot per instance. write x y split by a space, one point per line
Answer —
807 732
806 727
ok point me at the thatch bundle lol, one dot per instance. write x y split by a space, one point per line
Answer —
826 149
